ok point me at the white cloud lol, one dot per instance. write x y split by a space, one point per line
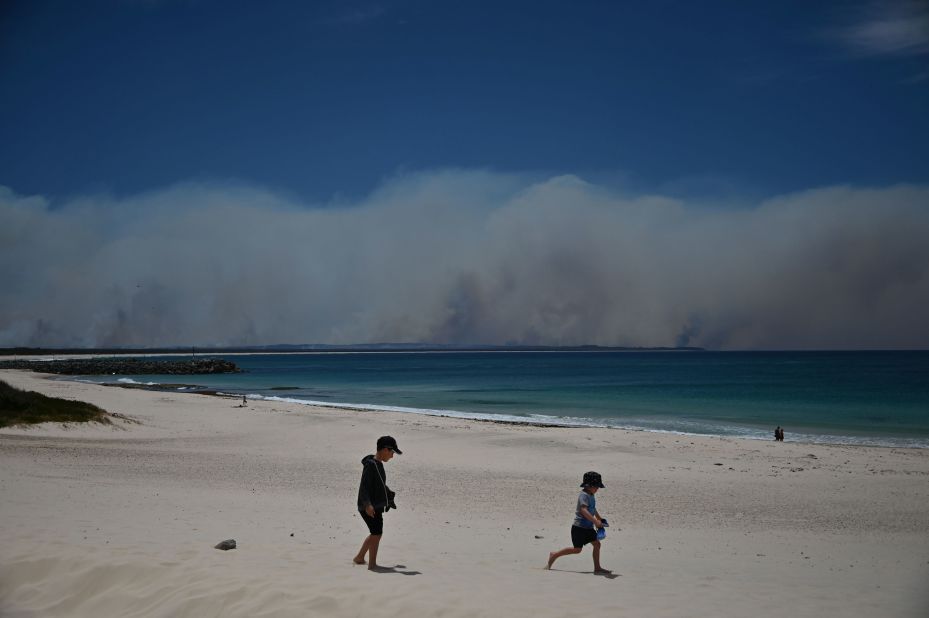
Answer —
887 29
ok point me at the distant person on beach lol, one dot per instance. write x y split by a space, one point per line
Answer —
244 401
375 498
779 434
587 521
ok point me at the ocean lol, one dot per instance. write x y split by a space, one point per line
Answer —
875 398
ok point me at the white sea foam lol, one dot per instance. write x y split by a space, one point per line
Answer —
131 381
477 416
697 429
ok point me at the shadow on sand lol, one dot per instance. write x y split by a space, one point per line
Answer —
605 575
395 569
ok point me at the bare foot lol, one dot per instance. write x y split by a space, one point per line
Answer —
602 571
551 560
358 560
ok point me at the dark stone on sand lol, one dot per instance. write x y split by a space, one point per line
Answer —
125 366
226 545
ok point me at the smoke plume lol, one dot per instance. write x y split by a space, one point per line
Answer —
467 257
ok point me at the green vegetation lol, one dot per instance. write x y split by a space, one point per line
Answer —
18 407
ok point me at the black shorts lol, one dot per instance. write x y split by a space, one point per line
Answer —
375 524
582 536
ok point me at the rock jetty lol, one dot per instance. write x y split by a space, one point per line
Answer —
124 366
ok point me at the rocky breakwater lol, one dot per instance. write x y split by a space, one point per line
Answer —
125 366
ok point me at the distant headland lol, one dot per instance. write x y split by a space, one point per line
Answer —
319 347
124 366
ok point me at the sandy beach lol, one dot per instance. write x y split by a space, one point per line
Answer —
121 520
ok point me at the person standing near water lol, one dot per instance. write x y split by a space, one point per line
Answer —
375 498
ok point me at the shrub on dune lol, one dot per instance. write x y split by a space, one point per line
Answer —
19 407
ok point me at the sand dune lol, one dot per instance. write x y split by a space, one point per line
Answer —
121 521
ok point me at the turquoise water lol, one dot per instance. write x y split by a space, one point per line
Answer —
839 397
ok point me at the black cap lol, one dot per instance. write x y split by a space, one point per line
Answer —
592 479
388 442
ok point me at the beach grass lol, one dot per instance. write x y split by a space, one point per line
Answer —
19 407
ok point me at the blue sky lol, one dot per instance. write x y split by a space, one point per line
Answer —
323 99
731 175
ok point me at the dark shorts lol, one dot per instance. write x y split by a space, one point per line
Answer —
582 536
376 523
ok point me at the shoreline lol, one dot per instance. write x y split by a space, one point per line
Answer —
865 441
122 520
485 418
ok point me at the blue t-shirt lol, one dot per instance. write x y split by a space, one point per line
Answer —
585 499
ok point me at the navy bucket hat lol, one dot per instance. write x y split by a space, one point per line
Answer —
592 479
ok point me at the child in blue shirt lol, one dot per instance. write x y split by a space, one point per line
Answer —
587 521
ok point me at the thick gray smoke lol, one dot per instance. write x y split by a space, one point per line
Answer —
467 257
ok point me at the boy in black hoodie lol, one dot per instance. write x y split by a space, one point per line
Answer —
375 498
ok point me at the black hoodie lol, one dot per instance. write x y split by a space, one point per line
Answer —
373 489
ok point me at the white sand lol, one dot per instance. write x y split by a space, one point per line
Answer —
103 521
